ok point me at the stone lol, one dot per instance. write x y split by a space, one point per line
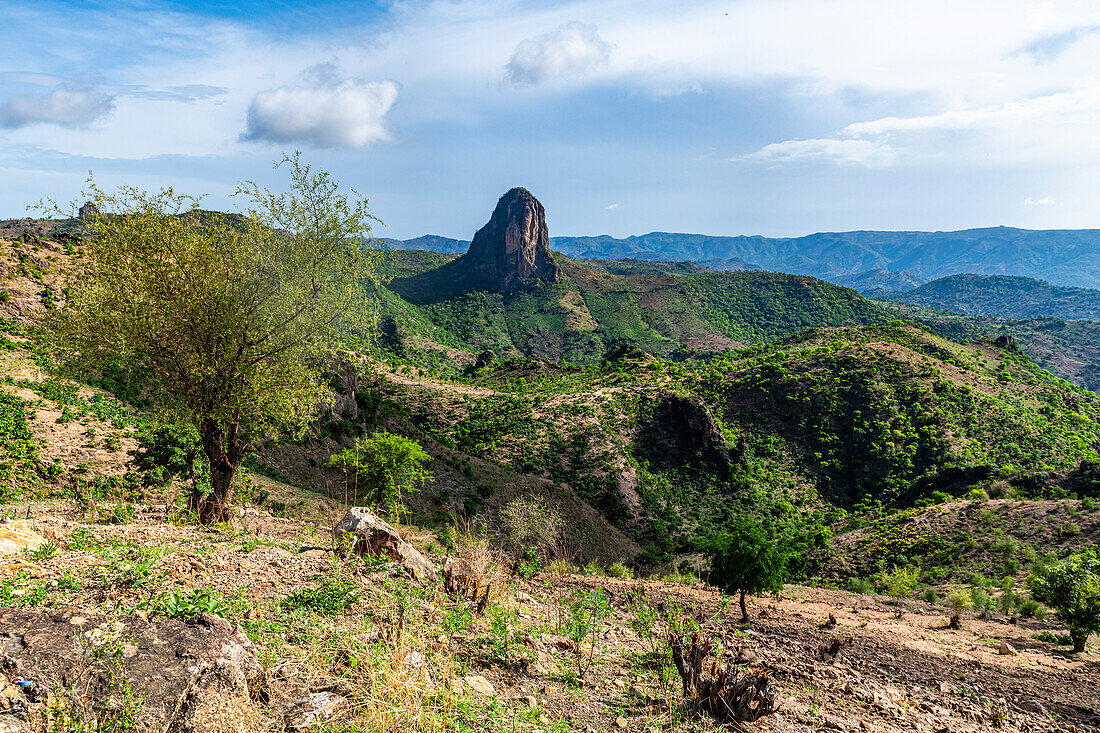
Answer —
1006 649
16 537
373 535
479 684
514 245
310 711
196 676
620 722
88 210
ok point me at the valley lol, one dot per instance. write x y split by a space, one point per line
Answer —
913 463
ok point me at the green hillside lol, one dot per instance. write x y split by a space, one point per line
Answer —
804 430
1068 349
431 311
1000 295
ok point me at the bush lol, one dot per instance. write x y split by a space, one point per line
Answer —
1032 609
930 595
981 600
333 595
619 570
529 521
382 467
860 585
1073 590
586 612
900 582
978 494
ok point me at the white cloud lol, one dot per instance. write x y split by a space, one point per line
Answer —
1044 201
66 105
850 152
326 111
612 207
879 142
570 50
1056 106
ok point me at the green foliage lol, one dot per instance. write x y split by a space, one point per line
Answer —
331 596
618 569
899 582
184 605
226 316
1072 589
383 467
170 447
860 585
746 560
586 612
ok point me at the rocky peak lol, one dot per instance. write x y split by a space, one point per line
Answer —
514 245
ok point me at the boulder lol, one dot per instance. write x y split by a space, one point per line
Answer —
194 676
16 537
373 535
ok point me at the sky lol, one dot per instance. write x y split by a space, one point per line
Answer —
773 117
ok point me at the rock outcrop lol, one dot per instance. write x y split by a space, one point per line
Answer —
370 534
195 676
514 245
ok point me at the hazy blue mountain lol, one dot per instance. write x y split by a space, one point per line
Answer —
1002 296
1059 256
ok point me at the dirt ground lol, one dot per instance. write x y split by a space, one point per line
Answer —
895 671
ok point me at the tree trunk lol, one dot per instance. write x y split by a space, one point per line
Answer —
226 452
1079 637
744 611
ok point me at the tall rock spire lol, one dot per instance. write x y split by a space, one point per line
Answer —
514 245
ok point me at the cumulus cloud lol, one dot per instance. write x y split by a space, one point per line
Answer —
571 49
612 207
1044 201
65 105
851 152
324 110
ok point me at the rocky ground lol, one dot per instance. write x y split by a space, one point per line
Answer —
358 645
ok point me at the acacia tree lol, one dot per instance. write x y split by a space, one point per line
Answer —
231 317
745 560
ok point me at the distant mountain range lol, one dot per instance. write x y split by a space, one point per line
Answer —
999 295
861 259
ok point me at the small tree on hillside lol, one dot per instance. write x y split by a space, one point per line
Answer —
745 560
383 467
230 317
1073 590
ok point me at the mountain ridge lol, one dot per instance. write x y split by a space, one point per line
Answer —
1061 256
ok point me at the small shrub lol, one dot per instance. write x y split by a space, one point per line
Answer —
978 494
980 600
45 551
185 605
619 570
530 521
860 585
1031 608
331 596
930 595
585 613
899 582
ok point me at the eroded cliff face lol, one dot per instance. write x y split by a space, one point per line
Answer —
514 245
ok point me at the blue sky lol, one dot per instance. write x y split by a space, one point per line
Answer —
777 117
